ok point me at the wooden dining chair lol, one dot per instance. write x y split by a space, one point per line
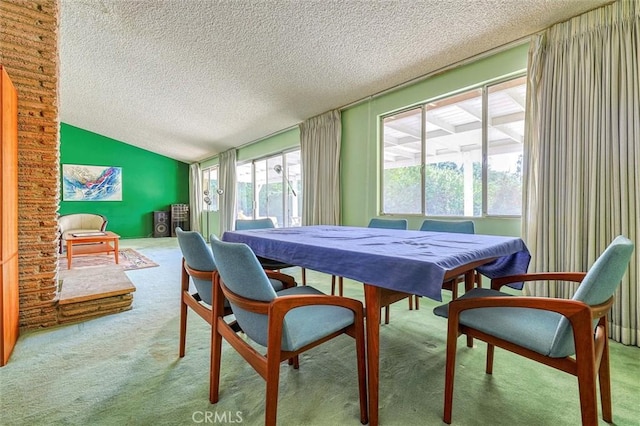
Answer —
268 264
569 335
285 324
198 266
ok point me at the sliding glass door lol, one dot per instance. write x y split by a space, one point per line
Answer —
271 187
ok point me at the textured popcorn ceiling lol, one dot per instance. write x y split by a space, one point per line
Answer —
189 79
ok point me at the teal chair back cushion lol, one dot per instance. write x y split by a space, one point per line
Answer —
597 287
242 274
198 256
247 224
388 223
456 226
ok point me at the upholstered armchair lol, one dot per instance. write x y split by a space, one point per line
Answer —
285 323
569 335
198 266
79 222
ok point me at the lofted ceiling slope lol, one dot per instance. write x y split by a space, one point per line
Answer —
189 79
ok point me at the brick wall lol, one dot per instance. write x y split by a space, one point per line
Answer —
29 52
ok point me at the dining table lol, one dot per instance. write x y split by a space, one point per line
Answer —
392 264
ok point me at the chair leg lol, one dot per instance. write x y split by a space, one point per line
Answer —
604 377
333 285
304 276
183 328
362 371
489 366
341 286
184 290
411 303
478 279
469 278
386 314
450 370
587 389
216 357
417 299
272 378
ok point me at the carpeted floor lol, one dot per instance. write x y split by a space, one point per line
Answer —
124 370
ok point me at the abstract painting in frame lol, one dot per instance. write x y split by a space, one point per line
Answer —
91 183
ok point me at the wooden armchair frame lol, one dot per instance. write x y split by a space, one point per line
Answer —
268 365
188 300
591 349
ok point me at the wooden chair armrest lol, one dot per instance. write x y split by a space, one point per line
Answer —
287 303
565 307
497 283
579 314
287 280
280 306
196 273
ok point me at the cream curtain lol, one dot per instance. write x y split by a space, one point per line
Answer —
227 182
582 151
320 139
195 196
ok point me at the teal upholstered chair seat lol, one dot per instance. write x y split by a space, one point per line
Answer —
533 329
569 335
286 323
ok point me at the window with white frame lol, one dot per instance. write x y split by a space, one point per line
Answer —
271 187
210 188
433 154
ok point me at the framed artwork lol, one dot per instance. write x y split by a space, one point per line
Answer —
91 183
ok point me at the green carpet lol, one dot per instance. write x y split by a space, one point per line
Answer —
124 369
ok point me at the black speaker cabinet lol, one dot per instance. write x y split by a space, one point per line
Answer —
161 224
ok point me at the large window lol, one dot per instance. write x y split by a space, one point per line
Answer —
271 187
433 154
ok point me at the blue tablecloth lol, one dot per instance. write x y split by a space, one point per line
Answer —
408 261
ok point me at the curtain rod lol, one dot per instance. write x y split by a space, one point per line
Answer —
449 67
465 61
244 145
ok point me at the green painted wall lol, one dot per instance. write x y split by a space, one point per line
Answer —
276 143
360 162
149 181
